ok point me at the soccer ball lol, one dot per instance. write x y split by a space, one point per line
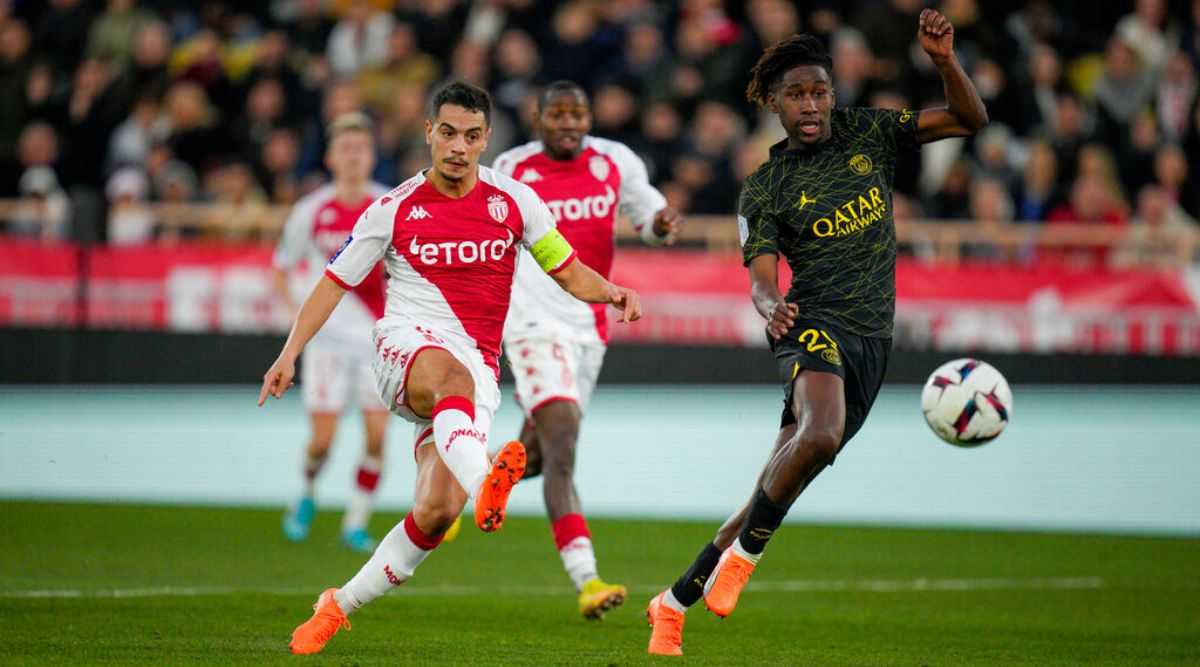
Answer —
966 402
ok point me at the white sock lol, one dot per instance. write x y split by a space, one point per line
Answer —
392 564
669 600
740 552
362 498
458 443
579 561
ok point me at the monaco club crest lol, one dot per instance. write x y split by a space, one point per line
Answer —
497 208
599 168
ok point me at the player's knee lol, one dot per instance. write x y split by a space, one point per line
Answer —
436 515
821 443
455 381
319 446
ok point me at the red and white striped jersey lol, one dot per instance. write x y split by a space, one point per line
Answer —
584 194
316 227
450 262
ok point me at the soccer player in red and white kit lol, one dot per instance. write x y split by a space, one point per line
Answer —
449 238
336 365
554 343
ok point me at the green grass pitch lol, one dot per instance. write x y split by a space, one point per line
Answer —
119 584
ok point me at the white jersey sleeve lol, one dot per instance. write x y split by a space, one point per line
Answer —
367 243
638 200
297 234
506 163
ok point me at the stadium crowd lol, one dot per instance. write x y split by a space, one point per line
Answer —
110 105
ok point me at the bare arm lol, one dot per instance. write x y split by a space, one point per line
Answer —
279 281
581 282
768 300
316 309
964 113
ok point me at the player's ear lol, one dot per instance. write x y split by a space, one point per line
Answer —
772 104
428 132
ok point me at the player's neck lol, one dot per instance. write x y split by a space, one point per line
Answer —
453 189
350 192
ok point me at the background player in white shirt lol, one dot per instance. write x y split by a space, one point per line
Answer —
449 238
336 366
554 343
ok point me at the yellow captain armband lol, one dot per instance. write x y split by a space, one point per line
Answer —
552 252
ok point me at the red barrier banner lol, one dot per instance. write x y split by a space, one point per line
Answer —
689 296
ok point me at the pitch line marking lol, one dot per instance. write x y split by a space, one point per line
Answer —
782 586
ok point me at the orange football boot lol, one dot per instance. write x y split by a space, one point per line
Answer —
507 468
725 584
666 628
326 620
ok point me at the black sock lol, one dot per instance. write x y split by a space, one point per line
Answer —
765 517
690 587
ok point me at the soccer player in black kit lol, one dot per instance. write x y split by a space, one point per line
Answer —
822 201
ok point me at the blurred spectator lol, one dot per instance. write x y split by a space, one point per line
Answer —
265 112
713 55
194 138
707 191
581 52
1122 91
360 39
94 109
518 65
1038 191
403 64
952 201
469 62
1191 35
61 34
1176 93
645 62
114 32
1171 173
991 207
773 20
439 23
889 28
199 61
1036 100
310 28
239 209
39 94
130 220
615 112
275 167
1091 202
272 61
1070 133
1150 33
131 141
147 73
43 210
661 139
1136 153
992 150
14 71
853 68
1160 234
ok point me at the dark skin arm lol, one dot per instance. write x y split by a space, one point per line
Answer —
964 113
768 300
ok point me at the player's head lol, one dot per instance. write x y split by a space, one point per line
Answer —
350 154
564 117
458 129
792 79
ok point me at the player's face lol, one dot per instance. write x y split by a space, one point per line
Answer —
351 156
803 98
456 138
563 124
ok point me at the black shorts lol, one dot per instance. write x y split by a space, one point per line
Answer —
860 361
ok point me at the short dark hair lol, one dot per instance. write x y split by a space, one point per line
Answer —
462 94
787 53
561 86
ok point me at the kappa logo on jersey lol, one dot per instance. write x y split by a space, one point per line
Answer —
418 213
497 208
596 206
462 252
530 176
599 168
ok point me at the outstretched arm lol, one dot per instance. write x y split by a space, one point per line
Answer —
316 309
585 284
964 113
768 300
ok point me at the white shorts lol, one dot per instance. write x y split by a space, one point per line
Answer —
549 368
333 381
398 342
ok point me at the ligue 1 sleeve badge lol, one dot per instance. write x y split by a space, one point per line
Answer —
497 208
